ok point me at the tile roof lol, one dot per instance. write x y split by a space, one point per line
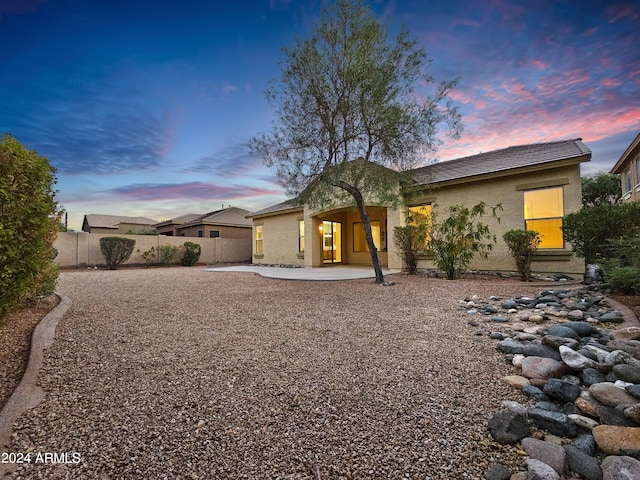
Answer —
502 160
231 216
112 221
179 220
291 204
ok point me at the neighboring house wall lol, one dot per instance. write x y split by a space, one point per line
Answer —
628 166
223 231
83 249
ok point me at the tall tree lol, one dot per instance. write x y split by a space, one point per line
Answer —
601 189
349 120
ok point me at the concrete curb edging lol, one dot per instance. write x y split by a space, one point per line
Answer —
630 319
29 394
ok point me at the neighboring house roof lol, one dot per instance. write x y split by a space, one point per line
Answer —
534 155
112 221
287 205
629 154
189 217
228 217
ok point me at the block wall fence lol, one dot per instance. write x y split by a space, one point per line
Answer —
81 249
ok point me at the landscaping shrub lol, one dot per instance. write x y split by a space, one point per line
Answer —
29 220
411 241
116 250
149 256
622 268
522 245
589 229
191 254
456 239
167 253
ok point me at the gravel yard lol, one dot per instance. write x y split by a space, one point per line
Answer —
182 373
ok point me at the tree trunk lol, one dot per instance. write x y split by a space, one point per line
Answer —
366 223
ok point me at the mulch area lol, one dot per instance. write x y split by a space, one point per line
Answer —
15 341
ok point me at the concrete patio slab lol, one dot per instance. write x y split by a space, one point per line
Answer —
337 272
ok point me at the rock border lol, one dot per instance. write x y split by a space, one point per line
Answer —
28 394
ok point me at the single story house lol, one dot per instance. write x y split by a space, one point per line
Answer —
536 184
629 166
96 223
230 222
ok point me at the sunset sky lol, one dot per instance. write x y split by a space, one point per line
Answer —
145 106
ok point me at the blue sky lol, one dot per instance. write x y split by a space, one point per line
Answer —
145 106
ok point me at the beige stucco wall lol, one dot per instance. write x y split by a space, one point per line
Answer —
83 249
280 239
509 191
280 231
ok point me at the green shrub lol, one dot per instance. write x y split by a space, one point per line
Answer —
625 279
191 254
167 253
522 245
116 250
411 241
149 256
456 239
589 229
28 225
622 267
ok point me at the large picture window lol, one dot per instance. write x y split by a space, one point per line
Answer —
422 214
543 212
360 240
259 239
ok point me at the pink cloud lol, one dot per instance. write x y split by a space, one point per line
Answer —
229 88
626 11
611 82
194 190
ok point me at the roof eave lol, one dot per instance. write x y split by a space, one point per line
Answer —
627 156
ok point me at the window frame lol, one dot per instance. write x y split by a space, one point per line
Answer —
378 245
527 217
300 235
259 240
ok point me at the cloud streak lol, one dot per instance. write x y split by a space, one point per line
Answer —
191 190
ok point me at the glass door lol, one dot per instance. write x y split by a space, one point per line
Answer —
332 242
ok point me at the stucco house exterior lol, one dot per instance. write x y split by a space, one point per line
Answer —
230 222
98 223
536 184
629 167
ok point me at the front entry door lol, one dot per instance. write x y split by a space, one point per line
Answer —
332 242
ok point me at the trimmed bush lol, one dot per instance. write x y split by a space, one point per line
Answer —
116 250
191 254
29 220
522 245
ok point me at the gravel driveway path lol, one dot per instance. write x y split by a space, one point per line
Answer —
182 373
